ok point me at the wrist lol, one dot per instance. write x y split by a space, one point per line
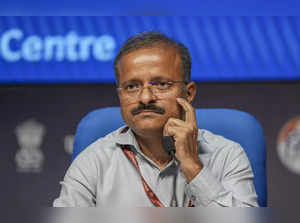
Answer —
191 169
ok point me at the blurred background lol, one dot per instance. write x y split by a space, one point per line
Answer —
54 70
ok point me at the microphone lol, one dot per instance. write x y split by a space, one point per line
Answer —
169 145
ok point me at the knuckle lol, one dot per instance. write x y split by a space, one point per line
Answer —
190 129
171 119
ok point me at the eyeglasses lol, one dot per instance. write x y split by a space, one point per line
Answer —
158 88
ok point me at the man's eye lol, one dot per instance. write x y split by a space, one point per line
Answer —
131 87
163 84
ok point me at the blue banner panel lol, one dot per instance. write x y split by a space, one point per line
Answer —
82 49
150 7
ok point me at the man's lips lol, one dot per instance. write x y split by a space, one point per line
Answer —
147 111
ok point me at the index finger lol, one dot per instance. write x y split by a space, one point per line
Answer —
190 116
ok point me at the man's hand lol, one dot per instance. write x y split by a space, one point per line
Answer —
185 134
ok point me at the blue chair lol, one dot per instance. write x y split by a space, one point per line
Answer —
236 125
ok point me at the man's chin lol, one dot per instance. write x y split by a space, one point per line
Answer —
147 127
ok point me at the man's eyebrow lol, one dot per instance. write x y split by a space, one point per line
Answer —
133 80
160 78
136 80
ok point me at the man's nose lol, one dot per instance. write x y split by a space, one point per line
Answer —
146 95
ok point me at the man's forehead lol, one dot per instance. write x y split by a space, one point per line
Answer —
160 53
146 57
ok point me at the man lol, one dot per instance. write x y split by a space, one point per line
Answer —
130 167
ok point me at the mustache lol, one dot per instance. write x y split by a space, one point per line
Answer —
149 107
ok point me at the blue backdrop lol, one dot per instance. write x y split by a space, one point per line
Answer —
82 49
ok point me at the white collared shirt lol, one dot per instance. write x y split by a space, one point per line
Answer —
102 176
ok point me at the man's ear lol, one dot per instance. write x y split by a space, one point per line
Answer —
191 90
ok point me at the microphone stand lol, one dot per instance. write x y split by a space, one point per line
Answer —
169 145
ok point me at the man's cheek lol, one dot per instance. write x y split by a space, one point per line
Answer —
124 113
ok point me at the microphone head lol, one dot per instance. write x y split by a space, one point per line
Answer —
168 144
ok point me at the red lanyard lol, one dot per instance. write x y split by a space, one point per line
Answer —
151 195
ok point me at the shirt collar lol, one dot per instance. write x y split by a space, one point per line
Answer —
125 136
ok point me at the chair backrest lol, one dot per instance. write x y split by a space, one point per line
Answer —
236 125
